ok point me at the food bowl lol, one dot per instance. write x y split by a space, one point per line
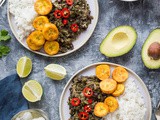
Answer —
35 112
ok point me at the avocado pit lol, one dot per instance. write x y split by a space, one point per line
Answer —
154 51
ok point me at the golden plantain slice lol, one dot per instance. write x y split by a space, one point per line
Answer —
37 38
120 74
51 47
101 109
43 7
108 86
50 32
112 103
103 72
119 91
31 45
39 22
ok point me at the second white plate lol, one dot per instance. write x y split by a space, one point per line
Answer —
89 71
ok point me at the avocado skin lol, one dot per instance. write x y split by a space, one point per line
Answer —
125 52
147 60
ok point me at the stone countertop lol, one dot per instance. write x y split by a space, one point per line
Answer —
143 15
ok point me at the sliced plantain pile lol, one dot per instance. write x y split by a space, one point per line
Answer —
113 87
46 33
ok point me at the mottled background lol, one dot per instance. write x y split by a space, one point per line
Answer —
143 15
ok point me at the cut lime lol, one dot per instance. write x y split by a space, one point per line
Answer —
32 91
55 71
24 67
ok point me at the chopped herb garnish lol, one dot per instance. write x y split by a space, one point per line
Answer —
4 36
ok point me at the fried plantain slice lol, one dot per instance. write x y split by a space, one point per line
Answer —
112 103
108 86
50 32
119 91
120 74
39 22
51 47
101 109
103 72
37 38
31 45
43 7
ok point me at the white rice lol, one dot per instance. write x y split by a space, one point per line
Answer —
24 13
131 104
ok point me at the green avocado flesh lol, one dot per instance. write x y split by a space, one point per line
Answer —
119 41
148 61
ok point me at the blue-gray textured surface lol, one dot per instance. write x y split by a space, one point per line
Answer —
143 15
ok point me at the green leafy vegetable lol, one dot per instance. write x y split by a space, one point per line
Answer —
4 50
4 35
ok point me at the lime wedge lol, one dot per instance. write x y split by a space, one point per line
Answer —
24 67
55 71
32 91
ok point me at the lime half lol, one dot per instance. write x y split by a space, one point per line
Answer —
32 91
55 71
24 67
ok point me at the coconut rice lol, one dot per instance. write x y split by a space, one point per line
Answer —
24 13
131 104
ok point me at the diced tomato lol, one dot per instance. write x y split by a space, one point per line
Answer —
83 116
89 101
69 2
87 92
74 27
57 14
65 13
75 101
87 108
65 21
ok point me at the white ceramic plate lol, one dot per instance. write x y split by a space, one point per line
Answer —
79 42
1 2
89 71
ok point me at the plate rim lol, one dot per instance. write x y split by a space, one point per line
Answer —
1 3
108 63
58 55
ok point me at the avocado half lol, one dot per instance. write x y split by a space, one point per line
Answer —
148 58
119 41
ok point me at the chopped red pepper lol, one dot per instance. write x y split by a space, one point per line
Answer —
65 13
87 108
69 2
83 116
89 101
75 101
74 27
87 92
57 14
65 21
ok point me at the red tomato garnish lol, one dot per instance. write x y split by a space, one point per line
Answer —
65 13
69 2
57 13
65 21
75 101
89 101
87 92
83 116
87 108
74 27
